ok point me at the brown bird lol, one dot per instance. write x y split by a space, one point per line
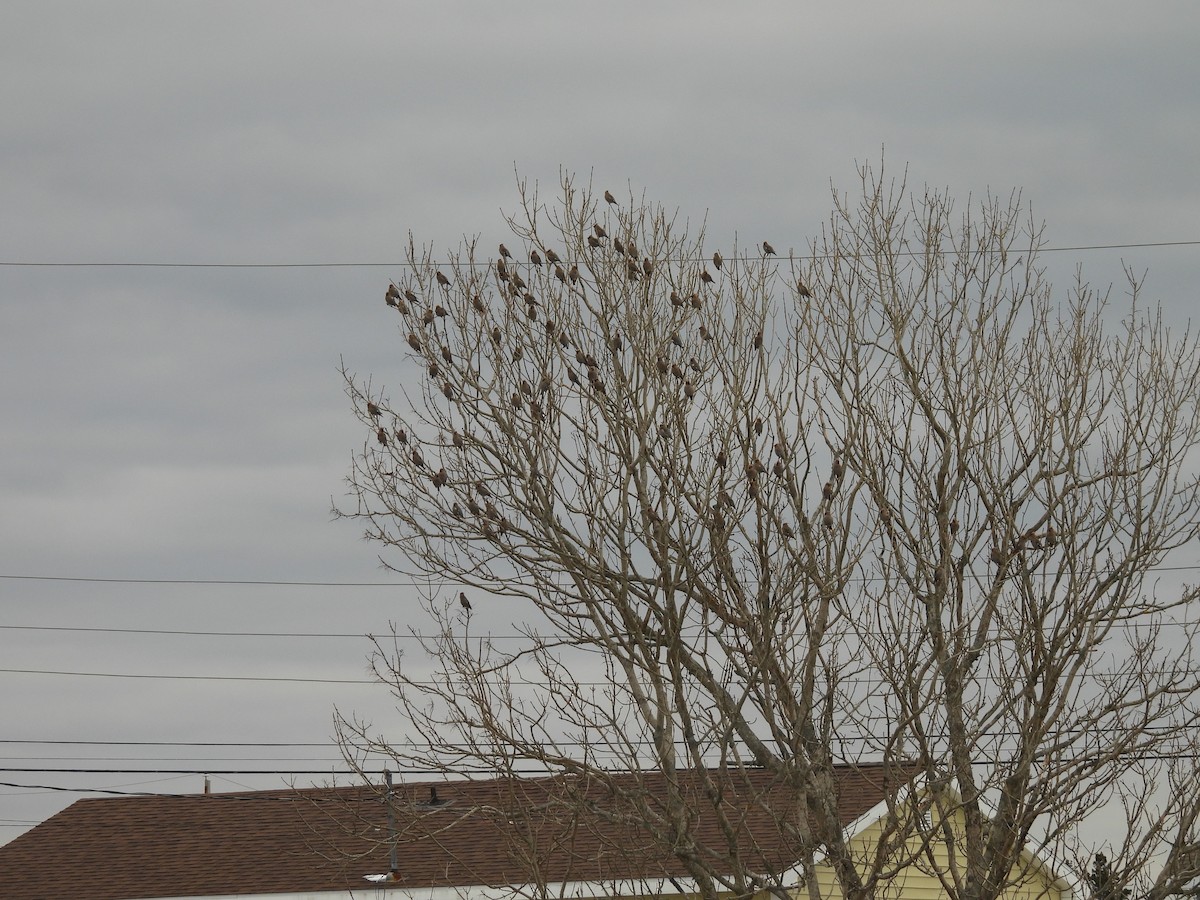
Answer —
501 270
402 436
373 410
456 511
768 250
560 274
428 317
392 297
704 334
722 460
480 306
535 257
827 491
504 252
497 334
381 436
631 270
440 478
573 273
526 388
443 280
457 439
676 371
647 266
610 198
593 241
414 341
616 343
474 507
463 601
600 232
446 355
954 526
1051 537
434 369
676 339
410 296
705 277
786 530
827 519
689 390
448 390
572 376
802 289
517 281
517 402
676 300
717 260
418 460
631 248
620 247
839 470
440 311
778 468
694 299
660 363
551 256
758 341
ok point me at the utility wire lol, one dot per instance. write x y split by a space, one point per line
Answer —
520 682
365 584
44 264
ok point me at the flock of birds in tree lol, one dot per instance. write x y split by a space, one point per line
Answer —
532 396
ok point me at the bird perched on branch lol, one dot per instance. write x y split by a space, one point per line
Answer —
504 252
442 279
551 256
463 601
705 277
600 232
610 198
373 410
768 250
718 260
802 289
535 257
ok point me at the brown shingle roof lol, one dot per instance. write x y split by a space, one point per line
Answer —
492 832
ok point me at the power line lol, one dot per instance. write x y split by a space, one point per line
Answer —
47 264
190 677
366 584
521 682
270 634
219 581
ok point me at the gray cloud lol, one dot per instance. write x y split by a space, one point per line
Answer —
190 423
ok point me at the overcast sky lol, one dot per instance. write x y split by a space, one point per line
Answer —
182 424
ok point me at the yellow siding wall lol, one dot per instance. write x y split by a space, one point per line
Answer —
920 880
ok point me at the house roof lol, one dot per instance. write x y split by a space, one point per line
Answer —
450 834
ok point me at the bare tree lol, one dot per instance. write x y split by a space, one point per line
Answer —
889 500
